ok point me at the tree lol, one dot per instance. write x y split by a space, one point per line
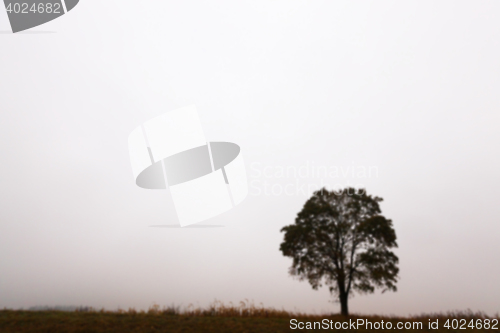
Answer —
340 239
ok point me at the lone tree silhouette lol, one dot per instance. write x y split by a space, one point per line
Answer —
342 240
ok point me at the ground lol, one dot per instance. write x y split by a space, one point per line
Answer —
211 320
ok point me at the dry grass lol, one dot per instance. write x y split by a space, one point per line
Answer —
218 317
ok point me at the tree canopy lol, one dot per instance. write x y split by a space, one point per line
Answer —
341 240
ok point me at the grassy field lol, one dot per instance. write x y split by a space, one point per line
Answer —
220 318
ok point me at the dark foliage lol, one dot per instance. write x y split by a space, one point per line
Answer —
340 239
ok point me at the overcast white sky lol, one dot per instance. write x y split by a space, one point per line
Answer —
409 87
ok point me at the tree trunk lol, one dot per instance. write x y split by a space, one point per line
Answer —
343 304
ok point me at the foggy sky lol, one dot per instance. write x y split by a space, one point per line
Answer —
410 88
